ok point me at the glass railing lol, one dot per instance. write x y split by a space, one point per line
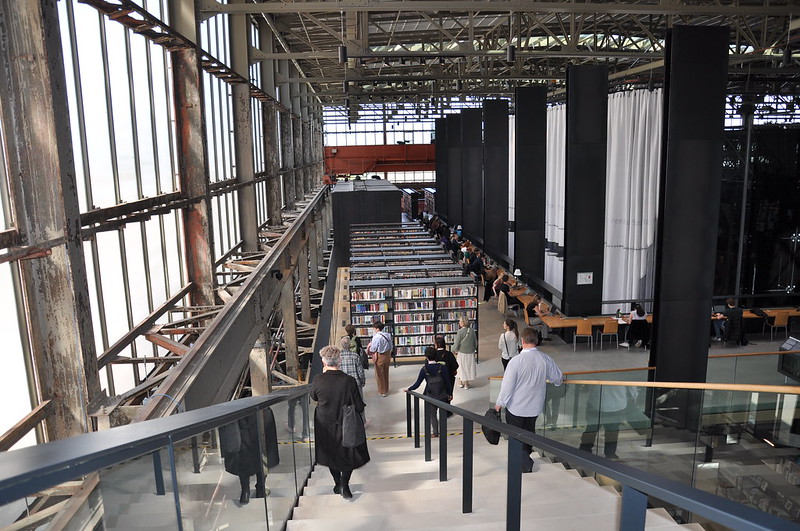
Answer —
738 444
234 465
658 442
750 368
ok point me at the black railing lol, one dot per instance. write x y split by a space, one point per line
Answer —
637 485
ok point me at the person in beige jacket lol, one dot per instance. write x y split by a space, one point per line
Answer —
466 348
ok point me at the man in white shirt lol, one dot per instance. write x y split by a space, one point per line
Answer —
380 348
524 387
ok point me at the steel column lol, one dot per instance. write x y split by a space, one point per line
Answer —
288 310
297 146
272 165
305 293
314 251
288 159
193 174
243 134
33 102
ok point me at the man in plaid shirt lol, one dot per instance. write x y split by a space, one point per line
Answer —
350 363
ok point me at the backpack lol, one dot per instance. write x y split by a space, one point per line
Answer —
434 385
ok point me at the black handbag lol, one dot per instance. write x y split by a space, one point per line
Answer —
492 436
353 432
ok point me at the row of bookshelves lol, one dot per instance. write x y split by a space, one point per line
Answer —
424 292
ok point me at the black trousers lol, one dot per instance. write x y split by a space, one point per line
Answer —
529 424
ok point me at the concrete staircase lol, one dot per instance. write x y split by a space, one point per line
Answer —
399 490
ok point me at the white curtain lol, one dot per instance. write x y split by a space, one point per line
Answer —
632 170
554 208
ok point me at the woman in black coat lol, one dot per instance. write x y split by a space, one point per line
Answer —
332 390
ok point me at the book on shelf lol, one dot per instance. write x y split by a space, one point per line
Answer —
372 308
368 295
455 315
457 291
413 329
413 305
412 317
413 293
404 341
456 303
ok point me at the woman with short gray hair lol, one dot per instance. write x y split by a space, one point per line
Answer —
332 390
466 347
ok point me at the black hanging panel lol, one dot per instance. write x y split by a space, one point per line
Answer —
441 167
454 170
472 174
495 178
689 200
585 189
530 169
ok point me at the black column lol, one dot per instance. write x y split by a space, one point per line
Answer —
689 199
472 174
454 170
495 178
441 167
530 161
585 208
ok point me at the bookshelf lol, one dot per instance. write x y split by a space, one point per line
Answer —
413 309
449 270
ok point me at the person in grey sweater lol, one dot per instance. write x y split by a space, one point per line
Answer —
466 348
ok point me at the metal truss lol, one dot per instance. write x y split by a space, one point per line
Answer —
426 49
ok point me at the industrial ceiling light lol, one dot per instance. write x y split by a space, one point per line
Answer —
342 54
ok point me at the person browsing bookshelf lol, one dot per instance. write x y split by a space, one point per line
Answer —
380 348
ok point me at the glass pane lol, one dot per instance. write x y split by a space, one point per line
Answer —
218 478
135 494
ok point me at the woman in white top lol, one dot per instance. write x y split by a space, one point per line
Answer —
639 330
509 343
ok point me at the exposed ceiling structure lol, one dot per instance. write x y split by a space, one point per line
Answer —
415 50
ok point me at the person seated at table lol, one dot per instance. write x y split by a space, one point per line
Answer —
535 314
728 323
490 276
639 329
505 287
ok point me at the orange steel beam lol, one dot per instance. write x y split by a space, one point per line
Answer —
358 160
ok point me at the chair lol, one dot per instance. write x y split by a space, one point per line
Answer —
781 321
610 328
503 306
584 329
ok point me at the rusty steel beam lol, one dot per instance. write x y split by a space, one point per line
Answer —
213 365
26 424
44 196
193 172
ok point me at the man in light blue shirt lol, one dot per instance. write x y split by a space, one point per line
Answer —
524 387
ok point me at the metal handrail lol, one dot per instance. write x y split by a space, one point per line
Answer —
29 470
637 484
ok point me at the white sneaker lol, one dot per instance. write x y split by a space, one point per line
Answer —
638 343
625 344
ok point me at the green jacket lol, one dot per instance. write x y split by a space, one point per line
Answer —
466 341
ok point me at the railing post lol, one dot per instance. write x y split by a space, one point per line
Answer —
514 485
427 424
158 473
442 444
195 456
175 491
416 422
408 415
466 495
634 507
